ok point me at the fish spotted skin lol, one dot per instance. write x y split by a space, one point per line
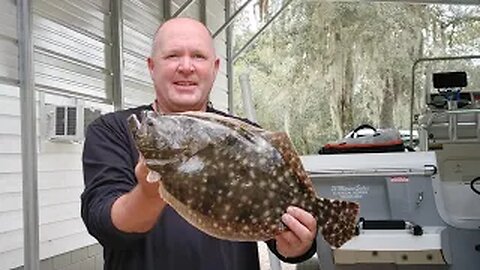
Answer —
233 180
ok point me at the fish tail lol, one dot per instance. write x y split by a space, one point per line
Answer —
337 220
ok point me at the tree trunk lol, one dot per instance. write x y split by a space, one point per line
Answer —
388 102
347 92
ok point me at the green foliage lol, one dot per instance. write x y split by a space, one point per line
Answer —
324 67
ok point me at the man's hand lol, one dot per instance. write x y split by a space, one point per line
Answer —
149 188
138 210
303 230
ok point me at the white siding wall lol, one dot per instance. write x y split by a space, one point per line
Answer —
72 56
70 51
215 19
72 60
11 234
141 19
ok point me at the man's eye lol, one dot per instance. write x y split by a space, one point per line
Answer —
199 56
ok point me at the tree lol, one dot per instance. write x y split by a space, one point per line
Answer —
326 67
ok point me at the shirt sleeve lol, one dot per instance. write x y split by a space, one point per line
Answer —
109 159
272 245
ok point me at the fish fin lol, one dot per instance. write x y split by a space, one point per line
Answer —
283 144
337 220
226 121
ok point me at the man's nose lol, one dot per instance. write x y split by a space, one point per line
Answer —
186 64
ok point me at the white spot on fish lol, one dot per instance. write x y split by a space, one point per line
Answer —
193 165
247 184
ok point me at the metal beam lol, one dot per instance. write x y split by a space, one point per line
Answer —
285 5
203 11
167 9
449 2
117 55
229 61
28 135
182 8
230 19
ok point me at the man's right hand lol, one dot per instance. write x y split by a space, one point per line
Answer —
149 188
138 210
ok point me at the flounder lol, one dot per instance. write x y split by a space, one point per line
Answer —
234 180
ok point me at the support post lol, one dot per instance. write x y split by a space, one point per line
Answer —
28 135
117 55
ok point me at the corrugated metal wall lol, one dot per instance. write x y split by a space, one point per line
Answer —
72 42
72 61
140 20
11 234
219 95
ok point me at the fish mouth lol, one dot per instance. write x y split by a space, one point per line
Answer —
134 124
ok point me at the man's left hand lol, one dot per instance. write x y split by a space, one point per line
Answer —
302 232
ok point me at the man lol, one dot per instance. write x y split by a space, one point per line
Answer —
137 229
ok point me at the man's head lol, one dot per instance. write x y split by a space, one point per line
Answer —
183 65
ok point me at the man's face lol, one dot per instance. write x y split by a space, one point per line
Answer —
183 66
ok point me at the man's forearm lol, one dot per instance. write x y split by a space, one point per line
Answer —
135 212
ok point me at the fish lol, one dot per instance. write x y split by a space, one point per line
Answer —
231 179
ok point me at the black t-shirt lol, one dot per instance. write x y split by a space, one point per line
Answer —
109 160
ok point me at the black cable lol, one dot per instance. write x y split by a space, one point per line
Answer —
472 185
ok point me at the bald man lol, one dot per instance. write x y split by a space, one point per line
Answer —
125 213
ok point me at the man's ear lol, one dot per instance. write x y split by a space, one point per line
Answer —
217 65
151 65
